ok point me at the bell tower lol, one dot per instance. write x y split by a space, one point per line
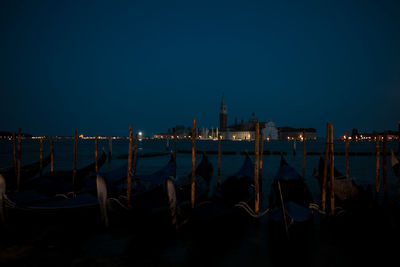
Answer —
223 115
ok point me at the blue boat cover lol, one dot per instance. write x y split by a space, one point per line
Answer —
81 200
293 210
26 197
145 182
287 172
34 200
396 169
247 169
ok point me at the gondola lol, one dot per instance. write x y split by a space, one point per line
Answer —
27 171
290 220
54 193
348 194
117 178
203 175
221 212
60 182
149 194
36 208
289 202
147 190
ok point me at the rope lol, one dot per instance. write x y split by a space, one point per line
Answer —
247 208
118 202
315 206
339 211
62 195
312 206
66 195
9 203
203 203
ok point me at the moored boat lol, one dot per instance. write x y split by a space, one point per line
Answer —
221 213
60 182
289 203
27 171
149 202
348 194
36 208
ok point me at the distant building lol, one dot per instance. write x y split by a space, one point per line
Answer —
270 131
244 131
223 115
183 132
6 134
290 133
390 134
354 134
240 131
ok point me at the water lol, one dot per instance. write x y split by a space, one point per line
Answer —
362 168
364 241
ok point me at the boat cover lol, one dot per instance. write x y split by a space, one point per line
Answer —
287 172
294 211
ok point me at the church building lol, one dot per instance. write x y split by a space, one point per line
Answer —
244 130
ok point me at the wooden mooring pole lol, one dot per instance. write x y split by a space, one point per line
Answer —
398 139
128 176
256 169
135 155
325 174
96 141
304 155
175 144
347 154
14 154
192 195
19 159
109 148
398 152
332 169
384 170
294 147
41 155
75 158
260 182
219 160
378 169
51 155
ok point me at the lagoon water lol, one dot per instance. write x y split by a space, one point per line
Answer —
248 249
362 168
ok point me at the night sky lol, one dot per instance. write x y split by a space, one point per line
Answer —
100 66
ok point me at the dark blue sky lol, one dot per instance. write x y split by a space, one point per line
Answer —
100 66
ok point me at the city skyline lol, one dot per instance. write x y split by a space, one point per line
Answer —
230 121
